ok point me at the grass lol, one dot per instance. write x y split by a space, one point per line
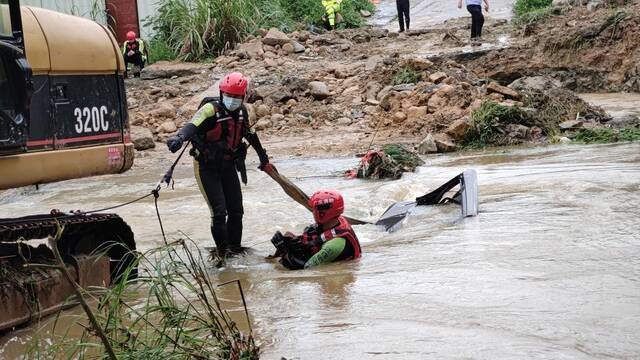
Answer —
529 11
171 311
406 75
488 122
160 50
194 30
607 135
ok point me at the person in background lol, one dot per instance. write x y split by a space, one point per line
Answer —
332 13
477 19
403 14
134 53
330 239
216 132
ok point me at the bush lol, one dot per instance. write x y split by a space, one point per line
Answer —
407 75
530 11
607 135
197 29
488 122
160 50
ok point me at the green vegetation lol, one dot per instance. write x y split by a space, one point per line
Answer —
194 30
171 311
488 122
390 162
607 135
406 75
529 11
159 50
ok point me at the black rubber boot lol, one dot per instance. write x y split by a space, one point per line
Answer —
220 237
234 229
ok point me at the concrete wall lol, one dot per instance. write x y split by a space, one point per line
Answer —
145 9
123 16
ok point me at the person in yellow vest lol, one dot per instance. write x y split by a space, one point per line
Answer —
332 13
135 53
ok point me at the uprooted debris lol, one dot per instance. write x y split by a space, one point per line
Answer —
388 162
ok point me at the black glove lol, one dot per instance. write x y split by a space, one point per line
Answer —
264 160
174 143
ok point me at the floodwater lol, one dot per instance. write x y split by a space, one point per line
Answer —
550 268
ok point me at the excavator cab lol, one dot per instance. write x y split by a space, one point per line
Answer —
15 81
63 109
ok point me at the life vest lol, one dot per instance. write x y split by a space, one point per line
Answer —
133 45
312 240
223 132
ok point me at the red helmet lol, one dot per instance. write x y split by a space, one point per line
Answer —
234 83
326 205
131 35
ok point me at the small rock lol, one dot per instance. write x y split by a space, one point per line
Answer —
517 131
404 87
391 100
458 128
142 138
564 140
172 91
297 47
437 77
276 118
626 120
168 127
540 83
270 63
494 87
372 62
399 117
319 90
444 143
288 48
570 124
344 121
275 37
427 145
154 90
292 102
132 103
365 13
253 49
345 47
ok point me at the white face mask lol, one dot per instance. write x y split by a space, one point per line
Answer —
231 103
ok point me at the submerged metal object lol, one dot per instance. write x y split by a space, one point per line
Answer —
466 197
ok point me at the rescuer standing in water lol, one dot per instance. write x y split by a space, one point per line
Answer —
216 132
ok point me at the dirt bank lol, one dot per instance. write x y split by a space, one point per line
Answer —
318 95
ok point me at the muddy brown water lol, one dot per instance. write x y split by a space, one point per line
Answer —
549 269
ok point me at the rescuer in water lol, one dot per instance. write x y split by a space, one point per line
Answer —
216 132
330 239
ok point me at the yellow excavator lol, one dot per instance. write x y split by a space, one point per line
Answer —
63 115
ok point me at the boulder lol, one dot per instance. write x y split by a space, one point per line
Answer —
365 13
427 145
419 64
142 138
166 70
494 87
444 143
262 110
263 124
275 37
416 112
253 49
570 124
437 77
163 110
168 127
626 120
399 117
458 128
319 90
540 83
